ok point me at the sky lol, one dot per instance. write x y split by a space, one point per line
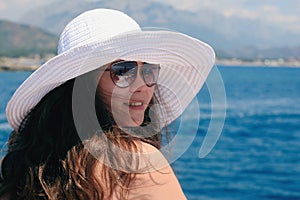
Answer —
278 12
285 13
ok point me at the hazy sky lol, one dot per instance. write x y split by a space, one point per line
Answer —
279 12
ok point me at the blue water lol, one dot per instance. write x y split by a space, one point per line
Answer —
258 153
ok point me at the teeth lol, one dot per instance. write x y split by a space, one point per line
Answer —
135 104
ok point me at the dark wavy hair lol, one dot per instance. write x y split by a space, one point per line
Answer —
47 159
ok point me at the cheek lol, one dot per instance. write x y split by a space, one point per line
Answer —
105 88
110 93
150 93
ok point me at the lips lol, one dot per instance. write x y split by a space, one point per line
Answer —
135 105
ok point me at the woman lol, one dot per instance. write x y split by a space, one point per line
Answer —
88 124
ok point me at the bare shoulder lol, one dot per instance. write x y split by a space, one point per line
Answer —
159 181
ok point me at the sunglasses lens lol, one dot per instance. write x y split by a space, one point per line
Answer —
150 74
123 73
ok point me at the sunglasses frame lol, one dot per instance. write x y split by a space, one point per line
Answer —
137 71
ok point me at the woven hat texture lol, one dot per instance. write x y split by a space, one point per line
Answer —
100 36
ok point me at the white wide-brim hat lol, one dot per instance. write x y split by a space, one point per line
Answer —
100 36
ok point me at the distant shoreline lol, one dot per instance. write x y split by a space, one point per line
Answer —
33 63
22 63
259 63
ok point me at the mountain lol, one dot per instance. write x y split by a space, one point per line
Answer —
230 37
223 33
24 40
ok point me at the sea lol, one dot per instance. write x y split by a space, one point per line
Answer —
257 152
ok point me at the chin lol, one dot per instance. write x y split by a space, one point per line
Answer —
137 118
135 123
131 122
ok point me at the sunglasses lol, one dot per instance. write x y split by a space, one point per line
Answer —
124 73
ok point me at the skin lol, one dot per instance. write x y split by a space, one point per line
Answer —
119 100
158 181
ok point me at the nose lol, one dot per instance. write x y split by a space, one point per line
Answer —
139 84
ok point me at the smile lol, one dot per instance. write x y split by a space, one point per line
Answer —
136 104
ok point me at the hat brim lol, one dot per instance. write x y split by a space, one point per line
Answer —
185 64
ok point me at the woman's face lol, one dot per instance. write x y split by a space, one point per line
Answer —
128 104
